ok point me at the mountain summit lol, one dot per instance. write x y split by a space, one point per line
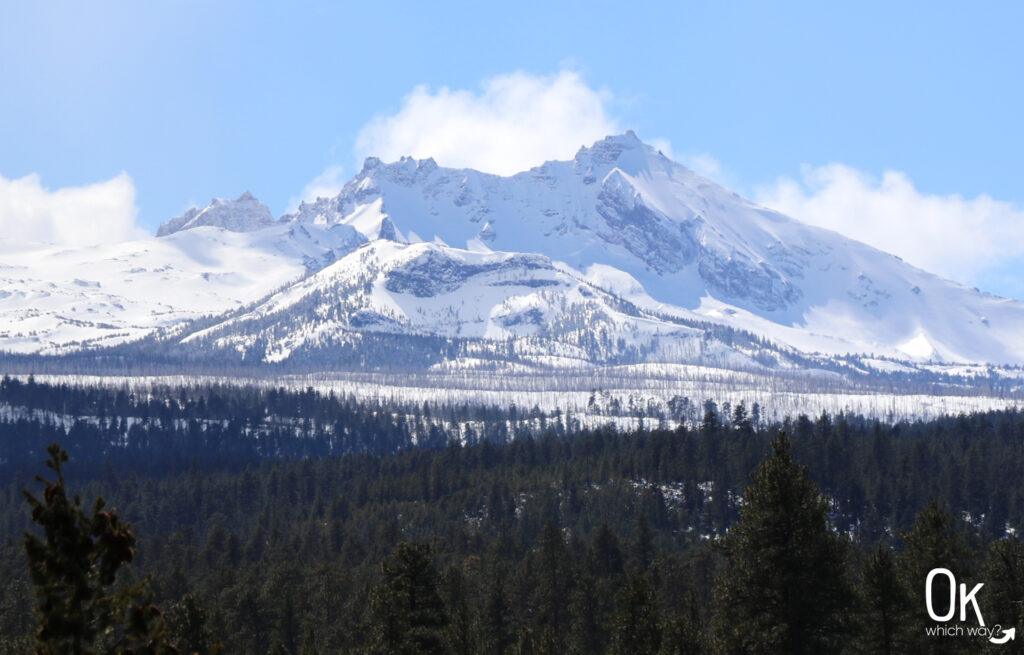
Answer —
243 214
643 226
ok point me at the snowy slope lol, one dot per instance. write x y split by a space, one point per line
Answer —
529 305
56 298
618 255
685 243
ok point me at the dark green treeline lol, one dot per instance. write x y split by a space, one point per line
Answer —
588 542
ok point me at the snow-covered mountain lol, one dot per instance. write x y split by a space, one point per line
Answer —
243 214
56 299
619 254
657 234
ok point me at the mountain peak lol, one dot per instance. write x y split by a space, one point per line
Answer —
624 150
628 140
628 137
243 214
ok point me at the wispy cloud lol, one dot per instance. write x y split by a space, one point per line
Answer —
512 123
103 212
324 185
960 238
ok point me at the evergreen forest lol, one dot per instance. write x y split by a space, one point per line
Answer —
266 521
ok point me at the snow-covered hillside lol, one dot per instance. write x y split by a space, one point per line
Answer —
618 255
57 299
685 243
528 306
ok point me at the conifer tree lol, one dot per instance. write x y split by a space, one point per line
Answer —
187 628
408 616
885 606
685 635
636 624
643 547
604 557
278 648
309 646
459 637
784 588
586 634
932 542
1004 584
496 634
74 568
554 579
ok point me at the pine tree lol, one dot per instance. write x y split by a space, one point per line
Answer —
1004 584
554 579
644 546
309 644
278 648
684 635
932 542
636 624
74 568
885 606
408 616
187 628
604 557
784 588
496 634
459 636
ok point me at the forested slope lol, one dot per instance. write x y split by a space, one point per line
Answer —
553 541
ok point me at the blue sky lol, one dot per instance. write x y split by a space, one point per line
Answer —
907 111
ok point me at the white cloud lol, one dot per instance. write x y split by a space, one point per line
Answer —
514 122
103 212
705 165
701 163
324 185
664 146
952 236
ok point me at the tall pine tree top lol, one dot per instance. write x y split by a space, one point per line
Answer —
784 588
74 568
